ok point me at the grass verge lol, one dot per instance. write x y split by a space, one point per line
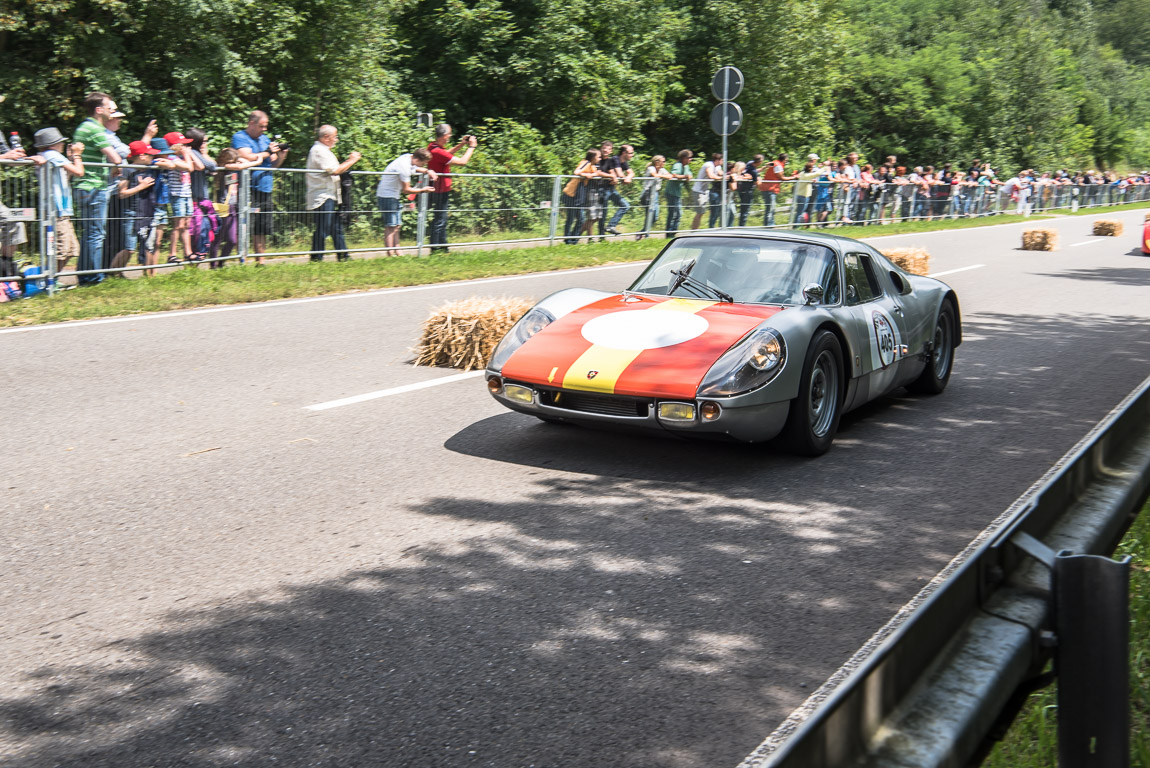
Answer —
188 288
1032 741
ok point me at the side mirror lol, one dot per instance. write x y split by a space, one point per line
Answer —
900 285
813 293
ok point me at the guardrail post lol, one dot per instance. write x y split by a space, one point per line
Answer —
556 190
47 216
421 223
243 225
1092 624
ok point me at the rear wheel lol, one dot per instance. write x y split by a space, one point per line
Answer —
936 374
814 416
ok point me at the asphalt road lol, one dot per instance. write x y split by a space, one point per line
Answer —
196 570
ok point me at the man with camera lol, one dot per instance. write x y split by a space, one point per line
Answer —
323 192
253 143
442 160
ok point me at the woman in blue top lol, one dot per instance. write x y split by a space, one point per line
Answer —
824 190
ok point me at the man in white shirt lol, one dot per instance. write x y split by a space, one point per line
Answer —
323 192
396 182
707 195
851 189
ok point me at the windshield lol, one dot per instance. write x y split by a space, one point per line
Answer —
752 271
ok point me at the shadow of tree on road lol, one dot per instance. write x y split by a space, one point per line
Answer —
648 602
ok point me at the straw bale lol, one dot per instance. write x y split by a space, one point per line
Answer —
913 260
1108 227
463 334
1039 240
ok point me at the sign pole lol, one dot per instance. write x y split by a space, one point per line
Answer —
723 170
725 120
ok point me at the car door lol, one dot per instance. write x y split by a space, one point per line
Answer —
878 325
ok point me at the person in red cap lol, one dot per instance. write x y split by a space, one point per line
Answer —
138 187
180 193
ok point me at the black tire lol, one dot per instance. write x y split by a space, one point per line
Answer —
814 417
936 374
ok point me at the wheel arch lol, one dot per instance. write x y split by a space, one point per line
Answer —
953 299
845 350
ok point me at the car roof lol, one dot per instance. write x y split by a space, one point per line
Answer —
837 242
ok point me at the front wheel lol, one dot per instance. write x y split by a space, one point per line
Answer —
936 374
814 416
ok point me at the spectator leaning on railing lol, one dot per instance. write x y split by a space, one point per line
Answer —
619 169
12 232
680 176
393 185
323 192
253 144
205 220
706 196
442 161
649 200
91 190
50 144
575 194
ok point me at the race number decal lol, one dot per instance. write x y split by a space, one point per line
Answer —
885 337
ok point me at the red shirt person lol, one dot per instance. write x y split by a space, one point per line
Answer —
442 160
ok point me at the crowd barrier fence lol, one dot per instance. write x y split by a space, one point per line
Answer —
486 210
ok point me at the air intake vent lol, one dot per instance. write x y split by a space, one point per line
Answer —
589 402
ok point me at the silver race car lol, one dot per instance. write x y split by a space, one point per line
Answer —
745 334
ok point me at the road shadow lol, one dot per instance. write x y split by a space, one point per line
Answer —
1133 276
613 622
647 602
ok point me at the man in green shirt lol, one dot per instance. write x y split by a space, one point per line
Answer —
91 190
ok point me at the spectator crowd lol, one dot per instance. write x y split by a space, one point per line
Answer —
823 192
124 197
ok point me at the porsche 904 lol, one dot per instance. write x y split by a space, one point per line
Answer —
748 335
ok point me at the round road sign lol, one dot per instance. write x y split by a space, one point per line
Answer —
727 84
726 118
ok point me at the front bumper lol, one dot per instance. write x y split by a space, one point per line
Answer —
745 422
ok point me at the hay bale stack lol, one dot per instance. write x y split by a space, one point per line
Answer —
463 334
913 260
1039 240
1108 227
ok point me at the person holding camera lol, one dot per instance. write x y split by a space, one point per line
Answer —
442 160
253 143
324 193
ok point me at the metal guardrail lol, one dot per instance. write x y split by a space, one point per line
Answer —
926 689
486 210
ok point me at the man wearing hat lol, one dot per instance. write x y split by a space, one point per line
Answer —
91 190
49 142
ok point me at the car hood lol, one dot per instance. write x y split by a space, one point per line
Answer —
651 346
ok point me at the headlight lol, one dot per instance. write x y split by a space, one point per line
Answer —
750 364
766 353
530 324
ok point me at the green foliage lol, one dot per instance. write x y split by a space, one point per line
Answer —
1017 82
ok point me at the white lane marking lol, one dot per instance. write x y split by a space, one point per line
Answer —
311 299
952 271
393 391
1087 242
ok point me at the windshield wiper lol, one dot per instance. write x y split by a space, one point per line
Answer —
680 276
683 276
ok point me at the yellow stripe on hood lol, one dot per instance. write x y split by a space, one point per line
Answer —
599 368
